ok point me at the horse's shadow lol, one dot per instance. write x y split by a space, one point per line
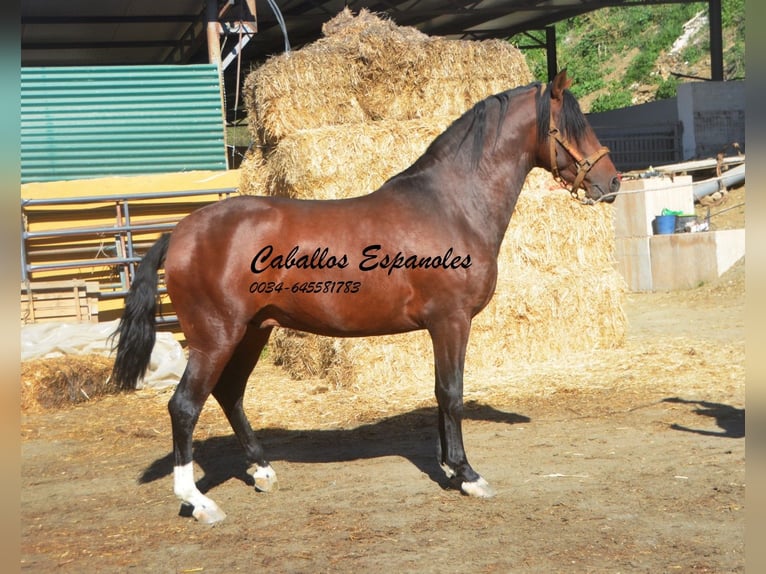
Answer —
730 420
410 435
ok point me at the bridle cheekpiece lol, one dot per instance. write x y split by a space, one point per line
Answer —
584 165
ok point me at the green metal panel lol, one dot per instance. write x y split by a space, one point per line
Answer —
83 122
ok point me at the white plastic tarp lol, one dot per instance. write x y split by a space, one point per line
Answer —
47 340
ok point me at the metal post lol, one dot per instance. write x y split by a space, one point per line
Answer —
550 49
213 33
214 56
129 235
24 275
119 243
716 40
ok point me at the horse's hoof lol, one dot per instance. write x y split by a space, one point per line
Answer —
479 488
265 479
208 514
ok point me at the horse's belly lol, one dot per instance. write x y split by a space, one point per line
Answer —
343 313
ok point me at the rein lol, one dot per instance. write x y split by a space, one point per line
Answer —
584 165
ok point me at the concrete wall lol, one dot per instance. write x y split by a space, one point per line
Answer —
659 112
713 115
642 200
667 262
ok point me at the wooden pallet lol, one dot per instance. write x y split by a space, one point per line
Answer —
68 301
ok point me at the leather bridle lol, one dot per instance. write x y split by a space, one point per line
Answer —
584 165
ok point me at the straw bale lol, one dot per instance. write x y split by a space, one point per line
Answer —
334 162
304 89
537 317
342 115
255 176
346 27
303 355
56 382
541 319
435 76
367 68
549 230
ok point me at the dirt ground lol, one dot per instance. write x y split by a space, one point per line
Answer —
628 460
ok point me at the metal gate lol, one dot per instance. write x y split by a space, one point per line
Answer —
639 147
98 239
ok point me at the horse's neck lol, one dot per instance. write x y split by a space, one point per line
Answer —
498 201
487 195
479 197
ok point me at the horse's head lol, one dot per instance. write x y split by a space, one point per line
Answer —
568 147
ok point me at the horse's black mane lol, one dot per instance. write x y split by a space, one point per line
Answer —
571 121
478 125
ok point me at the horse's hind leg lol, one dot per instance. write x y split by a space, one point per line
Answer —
202 372
229 393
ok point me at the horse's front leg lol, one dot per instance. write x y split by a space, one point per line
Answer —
450 338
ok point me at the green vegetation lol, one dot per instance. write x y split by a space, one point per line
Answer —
613 51
612 100
667 88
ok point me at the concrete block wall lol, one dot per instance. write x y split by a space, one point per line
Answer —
686 260
713 116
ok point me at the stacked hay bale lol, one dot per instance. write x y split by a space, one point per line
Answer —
340 116
327 110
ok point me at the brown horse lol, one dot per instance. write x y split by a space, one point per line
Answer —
418 253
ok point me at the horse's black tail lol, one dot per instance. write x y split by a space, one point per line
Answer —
136 330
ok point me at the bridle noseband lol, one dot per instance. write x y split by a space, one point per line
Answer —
584 165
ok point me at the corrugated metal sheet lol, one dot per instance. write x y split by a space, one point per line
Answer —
82 122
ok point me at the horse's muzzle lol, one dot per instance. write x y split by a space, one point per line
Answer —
611 195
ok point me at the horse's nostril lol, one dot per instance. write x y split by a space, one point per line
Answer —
614 186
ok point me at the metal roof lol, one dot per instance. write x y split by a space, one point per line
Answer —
450 18
84 32
150 32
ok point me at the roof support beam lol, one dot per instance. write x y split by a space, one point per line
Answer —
145 19
213 35
550 48
716 40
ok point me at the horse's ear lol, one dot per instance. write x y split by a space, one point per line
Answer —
559 84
